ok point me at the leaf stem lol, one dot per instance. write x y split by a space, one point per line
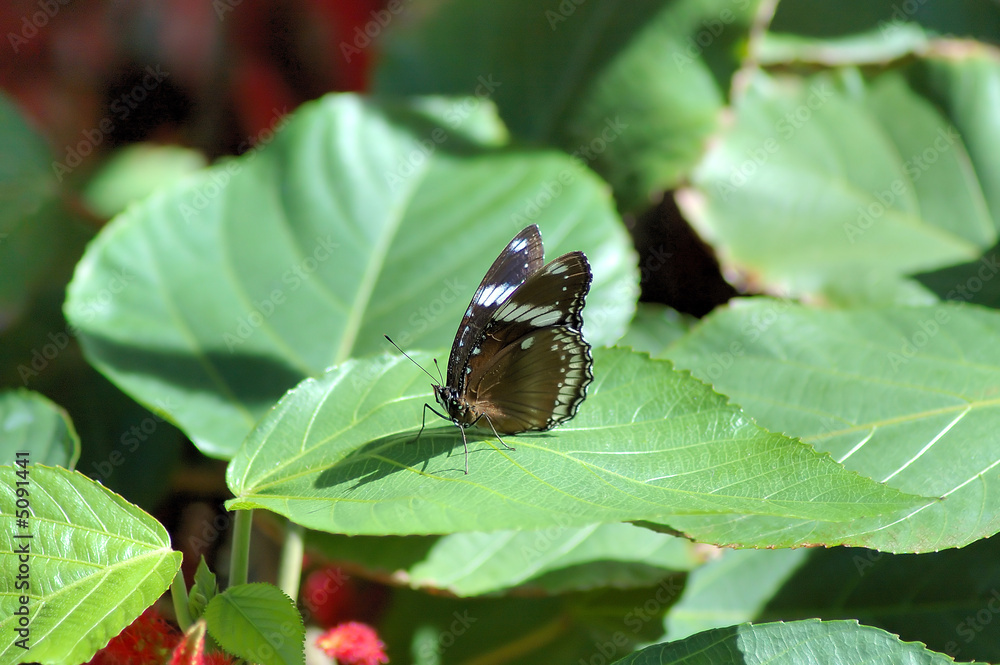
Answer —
240 561
290 571
179 595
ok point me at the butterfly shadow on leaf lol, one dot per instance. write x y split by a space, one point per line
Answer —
438 453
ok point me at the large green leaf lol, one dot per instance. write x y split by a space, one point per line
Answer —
335 455
215 297
30 423
841 188
632 89
908 396
95 563
794 643
553 560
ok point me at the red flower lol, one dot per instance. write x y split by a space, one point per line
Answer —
333 597
353 643
149 639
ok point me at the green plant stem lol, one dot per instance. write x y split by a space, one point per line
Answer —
290 572
179 595
240 558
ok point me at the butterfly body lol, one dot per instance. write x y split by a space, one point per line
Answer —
519 361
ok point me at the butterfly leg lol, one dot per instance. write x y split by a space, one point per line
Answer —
465 443
423 420
483 415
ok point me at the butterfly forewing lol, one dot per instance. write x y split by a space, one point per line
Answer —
522 257
553 296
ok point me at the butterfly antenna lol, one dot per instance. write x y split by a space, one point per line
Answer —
439 371
411 359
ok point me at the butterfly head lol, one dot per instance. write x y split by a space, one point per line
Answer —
455 406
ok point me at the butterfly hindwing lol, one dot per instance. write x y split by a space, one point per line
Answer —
522 257
536 382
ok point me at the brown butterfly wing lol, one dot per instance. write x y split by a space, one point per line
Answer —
535 383
530 368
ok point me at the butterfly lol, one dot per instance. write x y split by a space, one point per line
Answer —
519 361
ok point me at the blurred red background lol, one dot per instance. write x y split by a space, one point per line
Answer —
224 68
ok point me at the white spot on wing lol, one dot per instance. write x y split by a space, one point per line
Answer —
519 244
495 294
546 319
526 344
